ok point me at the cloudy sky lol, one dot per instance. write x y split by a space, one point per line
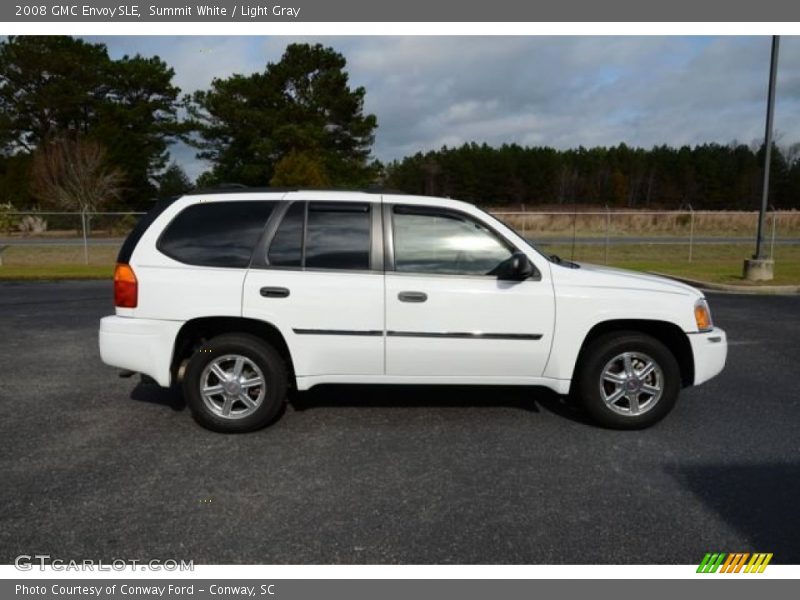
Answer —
554 91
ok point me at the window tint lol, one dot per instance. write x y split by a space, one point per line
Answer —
216 234
338 236
445 243
286 249
141 226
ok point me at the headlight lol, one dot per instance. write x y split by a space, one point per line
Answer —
702 315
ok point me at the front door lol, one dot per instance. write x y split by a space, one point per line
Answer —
446 315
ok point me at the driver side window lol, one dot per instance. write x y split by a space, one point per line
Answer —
445 243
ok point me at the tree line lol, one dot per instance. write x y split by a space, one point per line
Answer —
707 176
79 129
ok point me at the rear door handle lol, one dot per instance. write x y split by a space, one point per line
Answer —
274 292
412 296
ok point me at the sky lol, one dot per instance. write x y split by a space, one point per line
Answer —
562 92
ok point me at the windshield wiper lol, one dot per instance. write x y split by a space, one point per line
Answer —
564 263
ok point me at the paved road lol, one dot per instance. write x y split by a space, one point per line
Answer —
593 241
99 467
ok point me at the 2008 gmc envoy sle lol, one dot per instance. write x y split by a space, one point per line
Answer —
240 294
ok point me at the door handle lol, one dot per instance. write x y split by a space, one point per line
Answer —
274 292
412 296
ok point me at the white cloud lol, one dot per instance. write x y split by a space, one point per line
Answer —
556 91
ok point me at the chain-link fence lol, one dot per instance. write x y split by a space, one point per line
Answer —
40 237
680 235
32 237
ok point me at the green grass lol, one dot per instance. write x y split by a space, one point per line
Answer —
714 263
56 271
57 262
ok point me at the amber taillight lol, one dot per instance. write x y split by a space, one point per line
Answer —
126 288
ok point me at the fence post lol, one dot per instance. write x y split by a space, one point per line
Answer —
608 229
691 232
772 242
525 225
85 240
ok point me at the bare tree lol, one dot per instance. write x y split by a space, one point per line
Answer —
71 173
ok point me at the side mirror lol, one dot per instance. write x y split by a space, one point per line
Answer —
517 267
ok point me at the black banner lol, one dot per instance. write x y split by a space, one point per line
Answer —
408 11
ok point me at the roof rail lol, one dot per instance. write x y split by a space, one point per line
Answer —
238 188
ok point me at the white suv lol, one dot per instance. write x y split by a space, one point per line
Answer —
240 295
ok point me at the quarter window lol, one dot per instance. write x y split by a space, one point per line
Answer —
444 242
216 234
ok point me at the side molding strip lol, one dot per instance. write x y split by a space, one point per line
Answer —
423 334
466 335
337 332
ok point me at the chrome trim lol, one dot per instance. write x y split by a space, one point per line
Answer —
370 332
421 334
465 335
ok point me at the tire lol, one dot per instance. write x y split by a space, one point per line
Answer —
224 401
615 390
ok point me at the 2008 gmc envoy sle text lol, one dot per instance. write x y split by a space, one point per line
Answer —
240 294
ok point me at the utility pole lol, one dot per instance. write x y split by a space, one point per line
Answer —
760 268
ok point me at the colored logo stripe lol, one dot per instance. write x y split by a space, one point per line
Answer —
758 563
710 563
734 562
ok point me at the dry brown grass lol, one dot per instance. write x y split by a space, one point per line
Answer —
717 223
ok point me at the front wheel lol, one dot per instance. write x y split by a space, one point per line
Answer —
628 380
235 383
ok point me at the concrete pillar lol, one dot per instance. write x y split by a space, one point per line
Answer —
759 269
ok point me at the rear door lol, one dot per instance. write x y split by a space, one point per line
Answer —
318 277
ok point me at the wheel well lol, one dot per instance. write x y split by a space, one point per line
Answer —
667 333
197 331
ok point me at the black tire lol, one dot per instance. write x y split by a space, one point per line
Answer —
599 353
264 358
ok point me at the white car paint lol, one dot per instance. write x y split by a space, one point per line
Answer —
468 305
562 307
321 302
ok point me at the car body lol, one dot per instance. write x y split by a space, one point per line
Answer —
374 288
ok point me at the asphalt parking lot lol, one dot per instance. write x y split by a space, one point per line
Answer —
94 466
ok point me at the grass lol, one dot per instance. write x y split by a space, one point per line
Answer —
57 262
718 224
714 263
47 272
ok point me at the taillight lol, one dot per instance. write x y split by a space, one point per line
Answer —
126 288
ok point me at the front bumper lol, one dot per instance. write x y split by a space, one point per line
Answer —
140 345
709 349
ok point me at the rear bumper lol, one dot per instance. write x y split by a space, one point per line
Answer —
140 345
710 349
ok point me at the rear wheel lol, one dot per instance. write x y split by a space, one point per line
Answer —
235 383
628 380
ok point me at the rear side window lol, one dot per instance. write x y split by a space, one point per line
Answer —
216 234
338 236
